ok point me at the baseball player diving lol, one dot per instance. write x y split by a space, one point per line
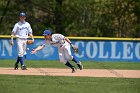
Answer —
63 44
21 30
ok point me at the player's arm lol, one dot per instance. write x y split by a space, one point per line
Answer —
68 40
30 32
37 49
31 35
75 48
12 36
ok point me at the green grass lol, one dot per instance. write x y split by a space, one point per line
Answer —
50 84
57 84
87 64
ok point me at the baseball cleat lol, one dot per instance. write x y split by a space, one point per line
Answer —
16 67
80 65
23 68
73 70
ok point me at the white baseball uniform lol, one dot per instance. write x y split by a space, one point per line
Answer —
58 40
21 31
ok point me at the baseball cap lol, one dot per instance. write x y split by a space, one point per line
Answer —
22 14
47 32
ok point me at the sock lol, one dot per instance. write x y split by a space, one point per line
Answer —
21 61
68 64
17 61
75 60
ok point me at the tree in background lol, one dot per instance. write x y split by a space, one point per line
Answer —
137 13
102 18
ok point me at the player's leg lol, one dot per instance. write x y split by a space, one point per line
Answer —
20 45
69 65
16 64
79 64
70 57
24 54
20 51
18 59
63 60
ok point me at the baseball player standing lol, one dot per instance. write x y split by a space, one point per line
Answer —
21 30
63 44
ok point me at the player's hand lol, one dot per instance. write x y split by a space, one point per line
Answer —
11 43
75 48
33 51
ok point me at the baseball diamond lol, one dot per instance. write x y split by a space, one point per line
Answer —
66 72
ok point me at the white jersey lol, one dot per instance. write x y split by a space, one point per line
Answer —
58 40
22 29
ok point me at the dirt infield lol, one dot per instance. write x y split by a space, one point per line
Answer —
67 72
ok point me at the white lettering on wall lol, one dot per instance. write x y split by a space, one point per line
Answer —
123 51
93 53
6 46
102 53
114 51
127 54
137 50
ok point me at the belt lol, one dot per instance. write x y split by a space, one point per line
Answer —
22 38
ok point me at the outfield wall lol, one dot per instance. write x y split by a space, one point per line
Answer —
90 48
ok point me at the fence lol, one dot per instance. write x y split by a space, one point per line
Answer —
90 48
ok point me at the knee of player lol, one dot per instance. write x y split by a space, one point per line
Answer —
63 61
20 54
70 57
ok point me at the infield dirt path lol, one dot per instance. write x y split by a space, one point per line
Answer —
67 72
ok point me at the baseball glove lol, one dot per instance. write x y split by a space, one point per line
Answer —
29 42
75 48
